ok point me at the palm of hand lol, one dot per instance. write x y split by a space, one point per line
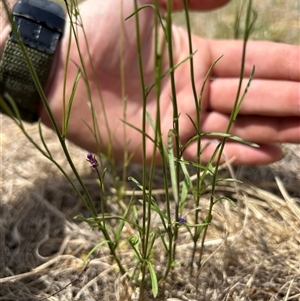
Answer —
112 45
106 59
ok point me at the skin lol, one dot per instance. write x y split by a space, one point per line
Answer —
269 115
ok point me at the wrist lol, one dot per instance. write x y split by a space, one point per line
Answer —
39 25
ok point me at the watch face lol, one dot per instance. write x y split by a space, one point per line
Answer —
44 12
35 35
40 24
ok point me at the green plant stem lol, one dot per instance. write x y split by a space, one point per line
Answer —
157 74
123 95
198 127
176 130
159 54
102 226
144 176
248 28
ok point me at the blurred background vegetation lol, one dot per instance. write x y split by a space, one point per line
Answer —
277 20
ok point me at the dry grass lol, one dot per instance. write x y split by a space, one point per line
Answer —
252 251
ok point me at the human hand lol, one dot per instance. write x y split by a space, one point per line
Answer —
269 115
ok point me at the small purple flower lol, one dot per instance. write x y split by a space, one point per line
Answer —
181 220
92 159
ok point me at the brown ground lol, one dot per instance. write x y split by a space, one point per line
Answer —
252 251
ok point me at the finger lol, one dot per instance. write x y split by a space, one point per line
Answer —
236 153
196 4
264 97
258 129
271 60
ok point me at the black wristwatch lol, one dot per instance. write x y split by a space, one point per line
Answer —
40 24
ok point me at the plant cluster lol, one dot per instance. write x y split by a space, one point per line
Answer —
178 186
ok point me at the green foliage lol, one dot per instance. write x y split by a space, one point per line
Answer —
145 236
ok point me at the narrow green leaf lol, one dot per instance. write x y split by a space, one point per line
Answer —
68 113
186 186
44 142
153 235
93 250
172 166
225 198
228 180
229 136
122 222
138 130
170 70
154 282
12 111
245 93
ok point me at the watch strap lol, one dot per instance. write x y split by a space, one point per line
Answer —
16 79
